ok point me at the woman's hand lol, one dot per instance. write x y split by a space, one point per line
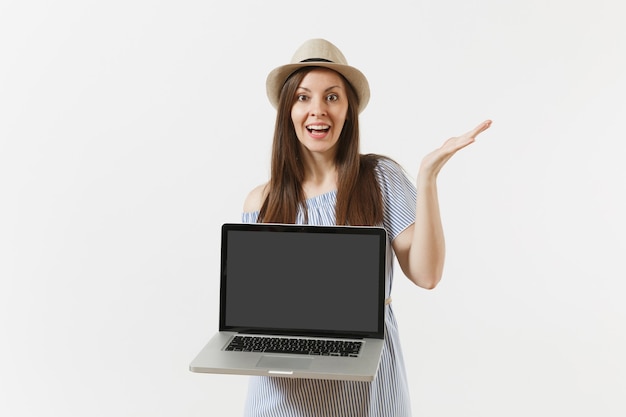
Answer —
434 161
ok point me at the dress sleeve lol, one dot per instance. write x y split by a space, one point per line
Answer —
399 197
249 216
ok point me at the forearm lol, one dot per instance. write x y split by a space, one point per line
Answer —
427 252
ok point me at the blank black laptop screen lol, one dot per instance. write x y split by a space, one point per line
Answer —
311 279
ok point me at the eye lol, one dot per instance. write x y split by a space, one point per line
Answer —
332 97
302 97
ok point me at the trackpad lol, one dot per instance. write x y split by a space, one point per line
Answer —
283 362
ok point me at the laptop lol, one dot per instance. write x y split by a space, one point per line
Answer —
299 301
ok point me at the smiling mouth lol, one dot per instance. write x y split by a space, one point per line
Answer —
318 128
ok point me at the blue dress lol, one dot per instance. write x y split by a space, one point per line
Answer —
387 395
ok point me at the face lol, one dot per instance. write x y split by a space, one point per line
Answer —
319 111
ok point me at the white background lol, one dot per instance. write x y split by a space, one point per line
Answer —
131 130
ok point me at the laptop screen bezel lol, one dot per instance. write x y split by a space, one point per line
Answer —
379 232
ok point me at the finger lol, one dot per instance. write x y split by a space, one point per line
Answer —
479 129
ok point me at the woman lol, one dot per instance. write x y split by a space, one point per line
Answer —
319 177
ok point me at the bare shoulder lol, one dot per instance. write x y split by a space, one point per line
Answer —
255 198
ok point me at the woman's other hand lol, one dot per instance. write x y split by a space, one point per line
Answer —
434 161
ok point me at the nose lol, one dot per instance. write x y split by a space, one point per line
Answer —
318 107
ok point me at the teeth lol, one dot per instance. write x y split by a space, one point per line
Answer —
318 127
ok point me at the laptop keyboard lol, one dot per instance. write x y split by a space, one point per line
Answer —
321 347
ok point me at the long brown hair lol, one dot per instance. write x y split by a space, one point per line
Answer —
359 199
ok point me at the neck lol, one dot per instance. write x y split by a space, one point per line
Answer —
320 175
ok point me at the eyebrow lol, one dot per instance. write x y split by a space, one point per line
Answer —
328 89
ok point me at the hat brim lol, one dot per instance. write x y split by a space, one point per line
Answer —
277 77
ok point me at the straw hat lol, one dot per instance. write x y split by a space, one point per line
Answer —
318 53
